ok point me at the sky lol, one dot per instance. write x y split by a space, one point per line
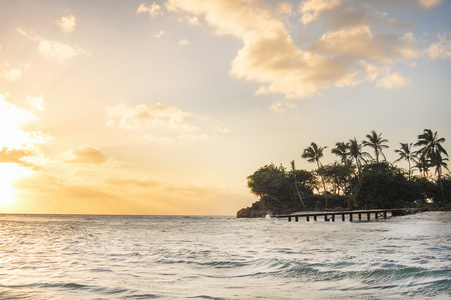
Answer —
165 107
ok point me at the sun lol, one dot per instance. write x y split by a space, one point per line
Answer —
9 173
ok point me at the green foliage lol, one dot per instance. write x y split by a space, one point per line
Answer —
336 202
277 190
355 180
313 154
381 185
338 178
376 142
267 180
440 191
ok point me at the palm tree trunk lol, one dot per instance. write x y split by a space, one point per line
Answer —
441 185
297 190
324 183
409 168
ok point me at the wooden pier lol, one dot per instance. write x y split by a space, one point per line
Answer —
352 214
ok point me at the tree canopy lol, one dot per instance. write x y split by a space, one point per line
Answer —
356 180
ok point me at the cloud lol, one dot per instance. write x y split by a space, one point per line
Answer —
36 102
67 23
13 117
157 115
193 21
154 10
268 55
430 3
284 8
441 49
84 154
162 124
312 9
359 43
29 157
19 146
55 49
392 80
12 74
184 42
340 57
355 41
58 50
159 34
280 106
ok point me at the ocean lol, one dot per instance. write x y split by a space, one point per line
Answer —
175 257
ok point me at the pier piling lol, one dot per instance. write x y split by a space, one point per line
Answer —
330 215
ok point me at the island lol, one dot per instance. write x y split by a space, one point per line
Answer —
357 180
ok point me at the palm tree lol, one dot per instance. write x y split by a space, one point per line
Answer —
293 170
376 142
423 165
313 154
406 153
355 151
432 151
342 150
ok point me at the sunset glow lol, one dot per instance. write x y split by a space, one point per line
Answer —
9 174
166 107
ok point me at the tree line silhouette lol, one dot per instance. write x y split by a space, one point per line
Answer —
357 179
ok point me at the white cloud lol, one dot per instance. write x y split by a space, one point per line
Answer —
441 49
392 80
162 124
358 42
159 34
58 50
184 42
268 55
154 10
55 49
280 106
311 9
18 146
36 102
341 57
84 154
157 115
372 71
193 21
13 117
221 130
67 23
355 41
12 74
284 8
28 156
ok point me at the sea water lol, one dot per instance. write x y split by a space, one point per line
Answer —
167 257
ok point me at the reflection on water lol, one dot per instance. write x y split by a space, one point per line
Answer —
139 257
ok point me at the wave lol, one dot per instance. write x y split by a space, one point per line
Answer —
222 258
416 280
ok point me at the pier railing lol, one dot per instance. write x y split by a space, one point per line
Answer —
352 214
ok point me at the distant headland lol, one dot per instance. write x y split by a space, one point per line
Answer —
357 179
